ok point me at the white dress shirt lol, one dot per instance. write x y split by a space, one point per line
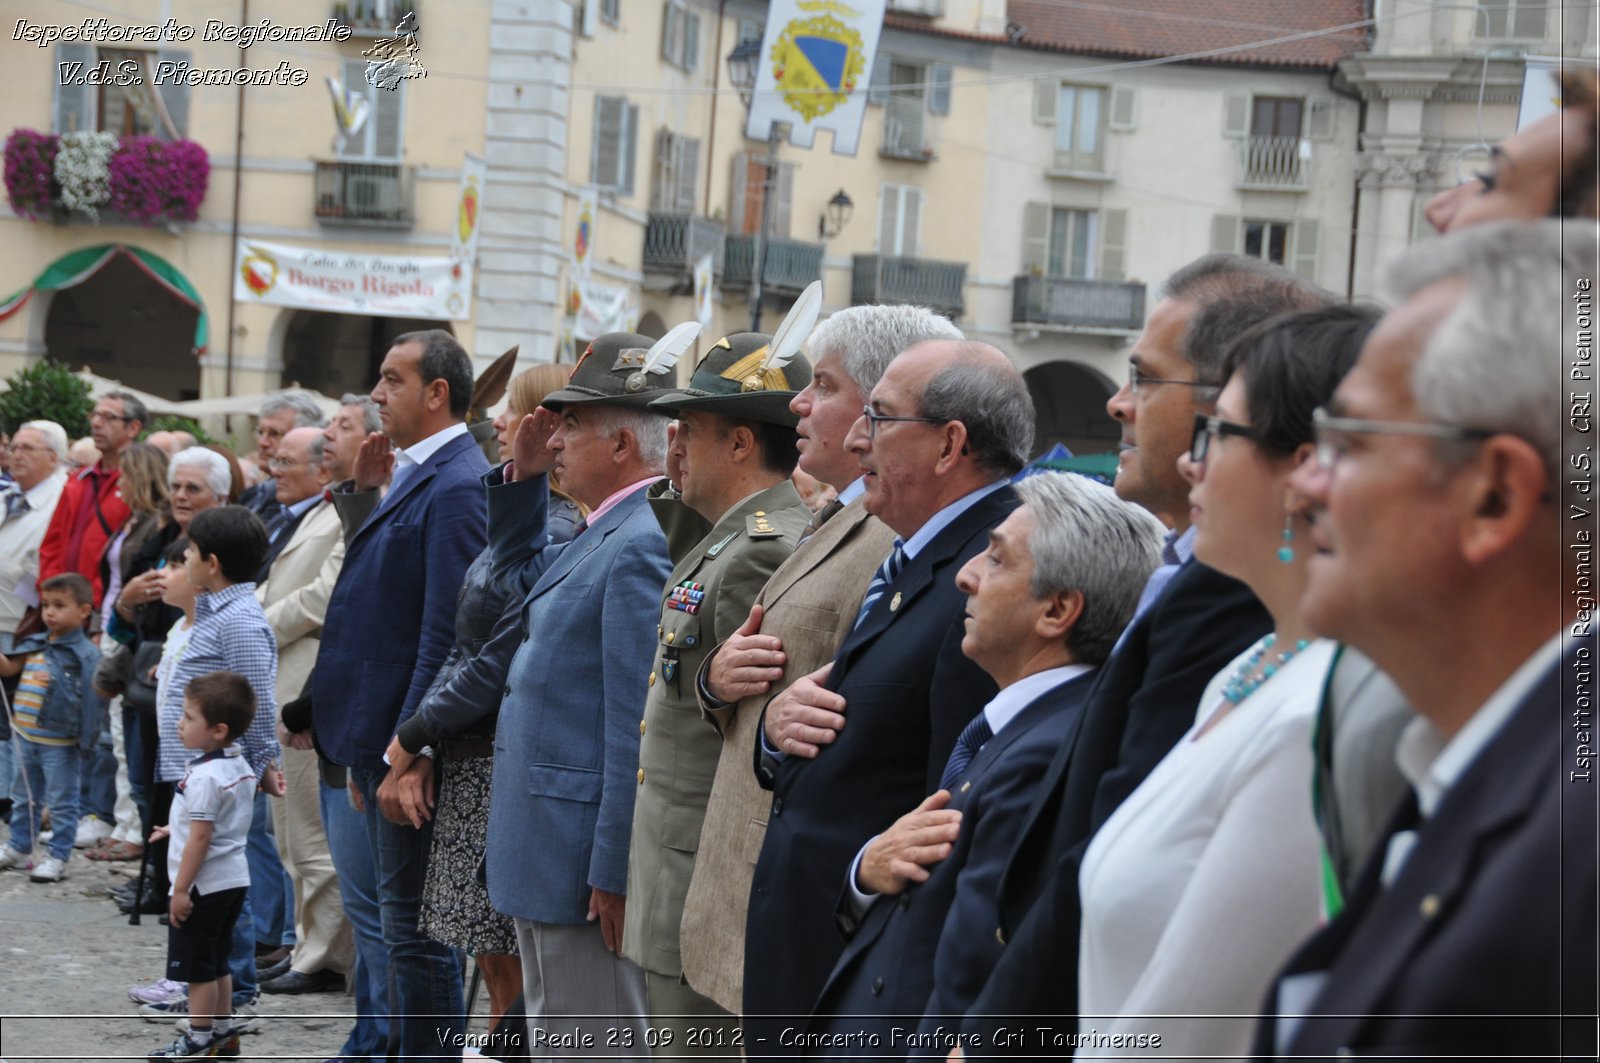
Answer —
19 548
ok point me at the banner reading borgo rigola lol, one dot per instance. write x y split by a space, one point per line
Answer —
352 282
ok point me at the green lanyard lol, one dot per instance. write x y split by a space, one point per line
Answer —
1321 764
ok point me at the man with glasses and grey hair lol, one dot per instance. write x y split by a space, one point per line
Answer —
279 415
1453 517
851 745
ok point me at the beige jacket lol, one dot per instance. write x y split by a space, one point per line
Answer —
295 595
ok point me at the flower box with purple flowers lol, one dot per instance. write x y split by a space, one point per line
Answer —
146 181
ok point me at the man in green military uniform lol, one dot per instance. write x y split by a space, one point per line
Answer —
734 451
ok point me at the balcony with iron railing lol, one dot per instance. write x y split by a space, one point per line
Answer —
900 279
905 129
368 194
675 241
791 264
1068 302
1280 164
373 18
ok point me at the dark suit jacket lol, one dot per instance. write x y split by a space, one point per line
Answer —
908 690
1488 931
1143 702
391 619
929 949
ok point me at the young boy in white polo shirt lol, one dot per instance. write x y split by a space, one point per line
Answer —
209 822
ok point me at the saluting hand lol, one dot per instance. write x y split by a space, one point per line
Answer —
530 447
374 462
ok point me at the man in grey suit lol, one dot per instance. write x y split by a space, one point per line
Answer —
566 751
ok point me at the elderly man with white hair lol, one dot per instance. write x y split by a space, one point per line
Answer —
279 415
1453 520
38 453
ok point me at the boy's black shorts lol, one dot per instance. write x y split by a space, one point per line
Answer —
198 950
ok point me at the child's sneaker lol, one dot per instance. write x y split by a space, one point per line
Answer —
48 870
227 1044
186 1047
9 857
157 992
245 1020
166 1010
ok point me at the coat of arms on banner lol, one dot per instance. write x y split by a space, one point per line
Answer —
817 61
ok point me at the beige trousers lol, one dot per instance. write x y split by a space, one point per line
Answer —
322 934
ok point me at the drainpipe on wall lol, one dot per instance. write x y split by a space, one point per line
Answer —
238 177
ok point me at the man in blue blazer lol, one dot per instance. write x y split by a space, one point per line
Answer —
1045 603
1447 553
389 624
566 750
1191 621
850 747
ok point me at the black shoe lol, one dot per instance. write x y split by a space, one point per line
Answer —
276 970
324 981
267 956
153 904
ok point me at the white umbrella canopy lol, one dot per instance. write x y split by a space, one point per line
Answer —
247 405
99 385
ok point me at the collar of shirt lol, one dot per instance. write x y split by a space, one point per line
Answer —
210 602
296 509
1432 765
853 490
41 492
617 496
1182 545
1019 695
946 516
421 451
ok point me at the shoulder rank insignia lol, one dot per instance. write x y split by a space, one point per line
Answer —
759 526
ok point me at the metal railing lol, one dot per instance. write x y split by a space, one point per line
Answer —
899 279
674 242
373 18
791 264
375 194
905 128
1275 162
1079 303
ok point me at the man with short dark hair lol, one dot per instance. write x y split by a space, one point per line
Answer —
389 624
90 510
849 747
1190 623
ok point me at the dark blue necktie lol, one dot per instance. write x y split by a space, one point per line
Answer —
972 739
887 573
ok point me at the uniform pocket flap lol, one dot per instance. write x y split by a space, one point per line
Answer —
565 783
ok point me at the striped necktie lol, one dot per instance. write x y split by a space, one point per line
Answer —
887 573
818 519
972 739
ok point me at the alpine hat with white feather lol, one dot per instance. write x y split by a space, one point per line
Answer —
751 376
625 369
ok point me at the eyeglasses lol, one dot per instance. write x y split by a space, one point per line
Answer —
282 464
1332 433
101 415
1206 427
1137 380
23 448
874 419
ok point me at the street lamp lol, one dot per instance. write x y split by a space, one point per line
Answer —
833 222
742 63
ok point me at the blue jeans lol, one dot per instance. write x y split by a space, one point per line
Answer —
242 957
358 889
98 793
8 766
140 770
271 893
424 975
50 775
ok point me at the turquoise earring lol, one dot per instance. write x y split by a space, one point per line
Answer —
1286 551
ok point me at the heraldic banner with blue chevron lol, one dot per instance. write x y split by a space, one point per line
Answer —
814 69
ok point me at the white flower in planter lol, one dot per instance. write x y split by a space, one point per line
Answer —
83 169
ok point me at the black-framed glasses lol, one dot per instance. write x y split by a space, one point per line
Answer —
1138 381
874 418
102 415
1206 427
1332 434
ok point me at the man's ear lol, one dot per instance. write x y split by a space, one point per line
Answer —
955 446
1063 609
1506 490
436 394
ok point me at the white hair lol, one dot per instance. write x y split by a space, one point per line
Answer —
218 476
1087 539
307 414
867 338
53 434
649 430
1495 361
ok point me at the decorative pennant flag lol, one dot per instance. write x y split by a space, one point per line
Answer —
814 69
703 285
469 205
583 236
350 109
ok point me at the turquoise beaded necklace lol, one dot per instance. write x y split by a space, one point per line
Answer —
1241 684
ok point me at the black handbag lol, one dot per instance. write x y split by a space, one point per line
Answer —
141 689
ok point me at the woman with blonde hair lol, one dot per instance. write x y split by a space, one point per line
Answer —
457 718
